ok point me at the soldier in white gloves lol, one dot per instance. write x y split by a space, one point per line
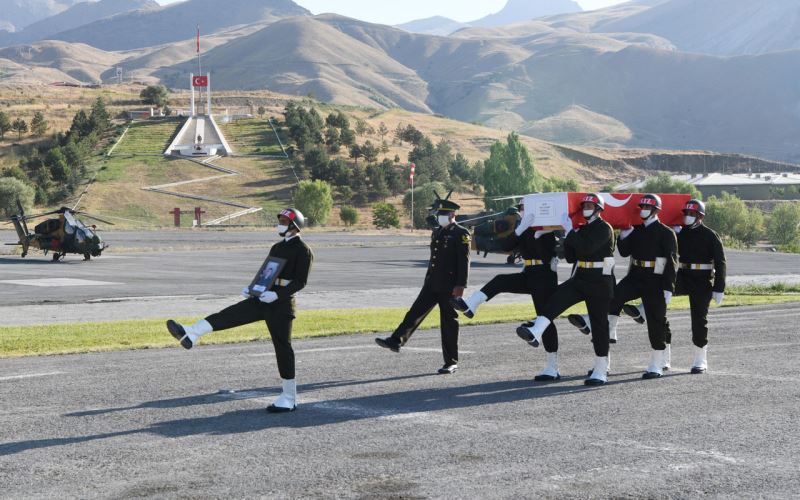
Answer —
275 306
701 276
538 279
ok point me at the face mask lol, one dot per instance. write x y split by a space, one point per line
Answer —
645 214
689 220
444 220
587 214
282 230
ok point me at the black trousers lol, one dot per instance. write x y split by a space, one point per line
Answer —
278 317
649 288
570 293
424 304
540 284
699 290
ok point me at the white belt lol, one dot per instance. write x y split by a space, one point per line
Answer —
698 267
590 265
281 282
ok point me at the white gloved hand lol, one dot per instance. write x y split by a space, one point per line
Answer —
677 229
667 296
524 224
554 264
625 233
538 234
268 297
718 296
246 292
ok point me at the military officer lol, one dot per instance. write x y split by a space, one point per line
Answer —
448 270
539 279
590 248
275 306
701 276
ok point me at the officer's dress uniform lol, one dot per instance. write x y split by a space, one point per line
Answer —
448 268
279 314
538 279
701 272
652 248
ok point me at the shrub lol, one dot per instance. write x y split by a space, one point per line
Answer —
385 216
782 228
314 199
349 215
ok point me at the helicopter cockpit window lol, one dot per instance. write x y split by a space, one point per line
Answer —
69 223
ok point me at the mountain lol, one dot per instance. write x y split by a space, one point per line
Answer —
177 22
76 63
73 17
21 13
719 27
525 10
436 25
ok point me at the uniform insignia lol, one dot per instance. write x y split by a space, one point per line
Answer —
465 239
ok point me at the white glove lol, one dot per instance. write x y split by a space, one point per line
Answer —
554 264
525 223
268 297
246 292
677 229
566 222
538 234
667 296
625 233
718 296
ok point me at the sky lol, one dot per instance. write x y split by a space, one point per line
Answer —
398 12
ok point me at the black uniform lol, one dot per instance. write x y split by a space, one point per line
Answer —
699 245
592 243
279 314
448 268
537 279
644 245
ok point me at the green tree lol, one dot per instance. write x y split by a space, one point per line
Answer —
361 127
370 152
729 216
5 125
383 131
39 125
11 190
19 126
356 152
157 95
423 198
783 227
99 117
261 111
349 215
556 185
347 137
508 171
385 216
332 139
60 170
664 183
314 199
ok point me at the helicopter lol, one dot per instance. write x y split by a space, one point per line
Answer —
61 235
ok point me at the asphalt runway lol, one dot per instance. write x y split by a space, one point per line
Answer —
192 273
373 424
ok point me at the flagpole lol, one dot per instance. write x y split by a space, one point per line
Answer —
199 66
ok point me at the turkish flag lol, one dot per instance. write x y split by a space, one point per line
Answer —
622 209
200 81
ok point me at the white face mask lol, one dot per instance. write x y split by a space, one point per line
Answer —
444 220
282 230
645 213
688 220
587 214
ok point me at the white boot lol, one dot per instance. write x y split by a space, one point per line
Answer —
533 334
700 363
473 302
656 365
636 312
287 401
667 358
550 371
599 374
612 328
188 335
581 322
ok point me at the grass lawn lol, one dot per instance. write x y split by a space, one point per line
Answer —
253 136
18 341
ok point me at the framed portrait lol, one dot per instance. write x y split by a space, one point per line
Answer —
266 276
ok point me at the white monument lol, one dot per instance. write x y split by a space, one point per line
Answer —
200 135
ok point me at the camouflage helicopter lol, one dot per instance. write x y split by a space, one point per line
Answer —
61 235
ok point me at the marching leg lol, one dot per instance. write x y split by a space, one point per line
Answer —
449 332
423 304
654 369
469 306
700 363
612 328
188 335
667 364
287 401
550 371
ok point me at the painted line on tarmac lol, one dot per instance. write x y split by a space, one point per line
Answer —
353 348
29 375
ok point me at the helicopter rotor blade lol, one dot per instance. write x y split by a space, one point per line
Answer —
98 219
481 218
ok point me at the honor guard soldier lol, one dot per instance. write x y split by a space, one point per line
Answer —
446 278
539 279
276 307
701 276
590 248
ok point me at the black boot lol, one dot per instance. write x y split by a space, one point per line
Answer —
177 331
390 343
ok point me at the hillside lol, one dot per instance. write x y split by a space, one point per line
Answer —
21 13
516 11
75 62
436 25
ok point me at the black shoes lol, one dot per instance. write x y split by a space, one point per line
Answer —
460 305
633 311
448 369
651 375
578 322
546 378
179 333
279 409
696 370
390 343
525 334
593 382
